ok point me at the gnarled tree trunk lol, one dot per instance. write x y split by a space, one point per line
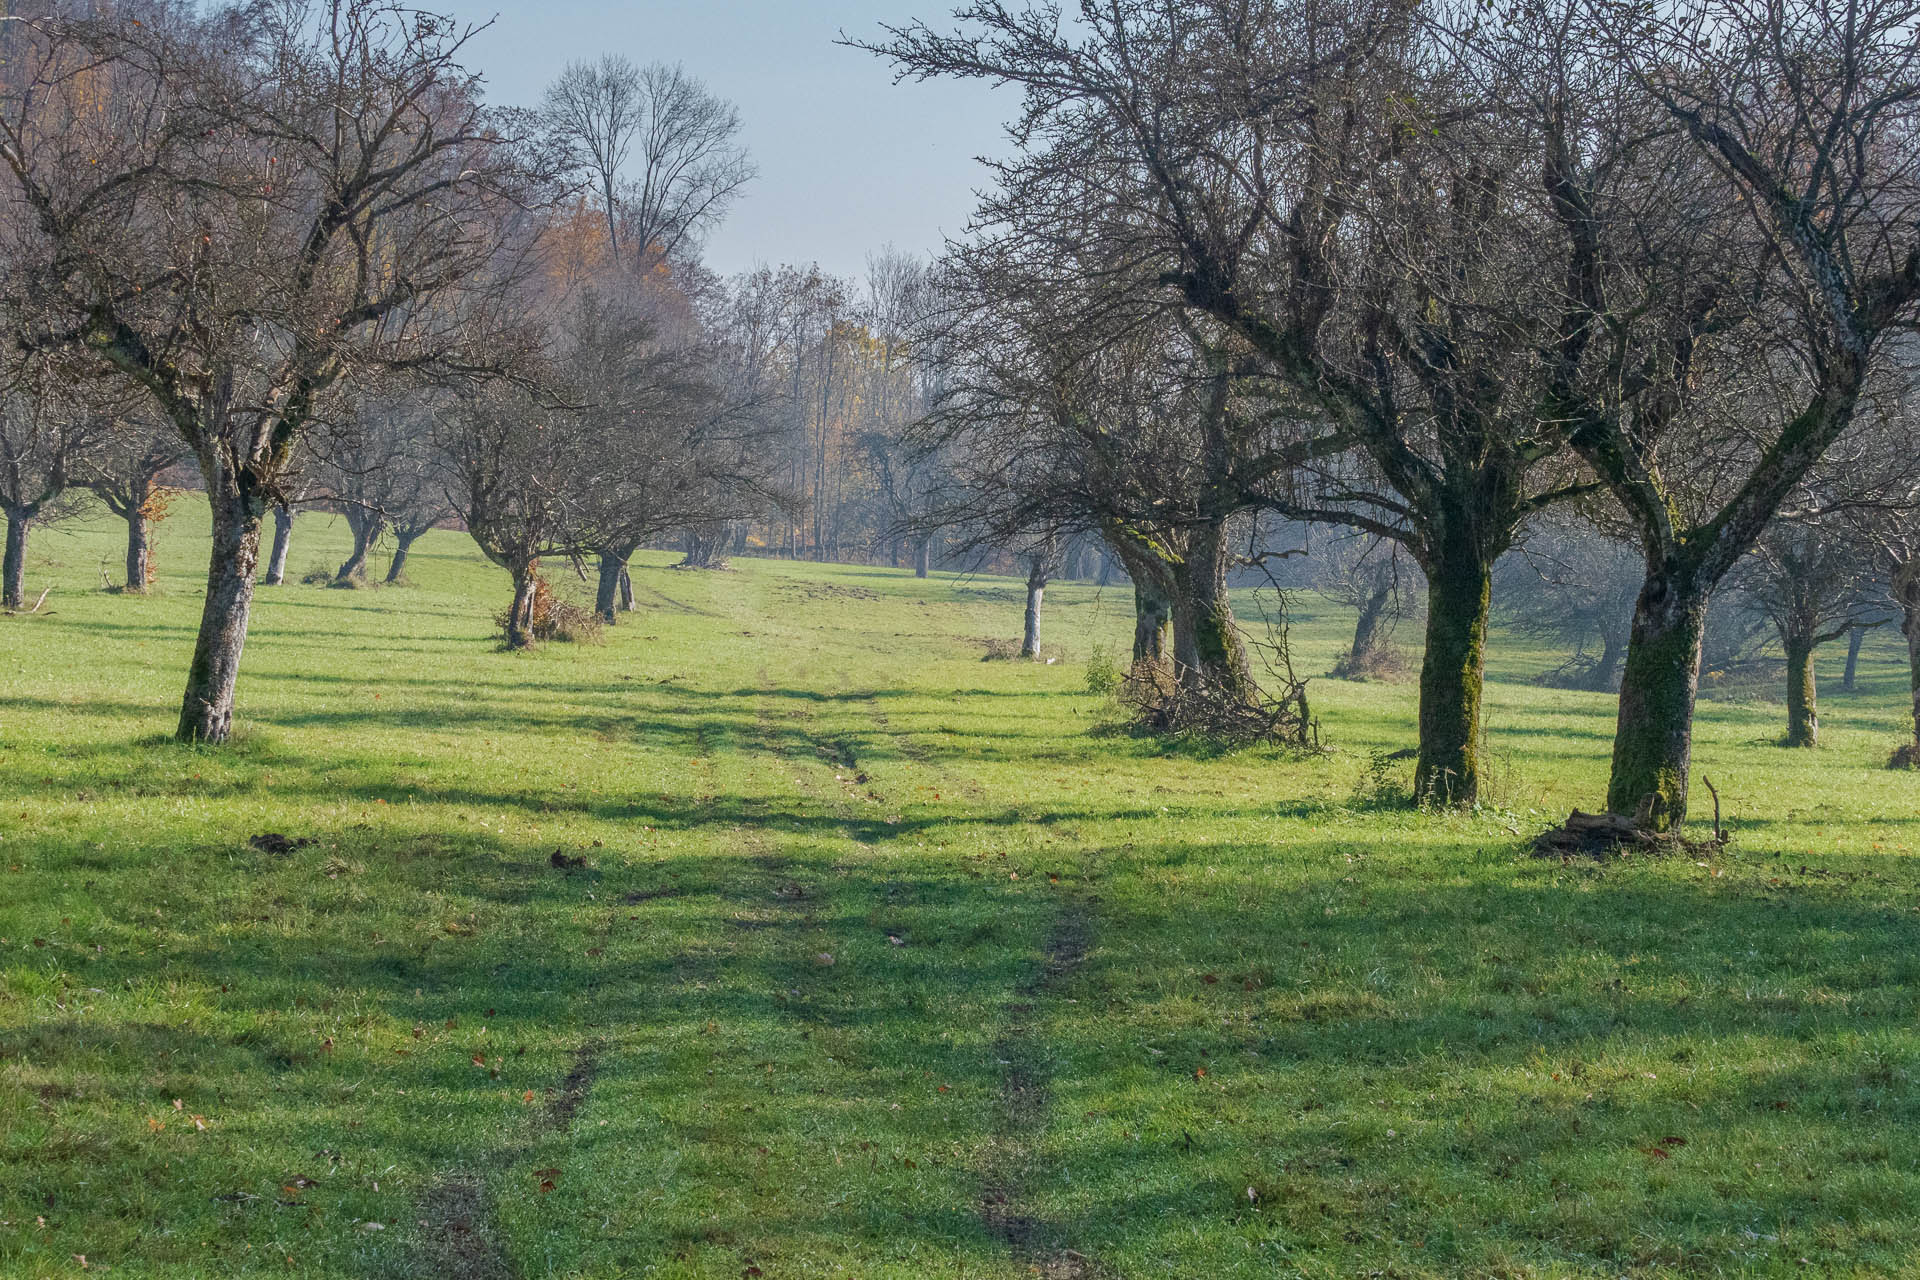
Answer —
13 568
526 582
1653 738
206 709
366 531
1206 640
1453 673
282 543
626 589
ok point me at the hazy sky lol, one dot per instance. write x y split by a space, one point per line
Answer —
849 162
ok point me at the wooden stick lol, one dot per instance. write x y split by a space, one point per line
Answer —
1719 833
42 600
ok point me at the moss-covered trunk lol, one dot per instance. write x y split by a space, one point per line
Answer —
1653 739
1206 640
1453 674
13 568
1803 721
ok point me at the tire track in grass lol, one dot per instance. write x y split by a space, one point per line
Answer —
1026 1096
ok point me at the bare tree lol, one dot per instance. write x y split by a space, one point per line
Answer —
1773 234
233 210
45 438
124 472
1368 575
376 470
1323 184
660 147
513 466
1574 585
1814 582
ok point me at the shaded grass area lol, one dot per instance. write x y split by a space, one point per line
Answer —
882 965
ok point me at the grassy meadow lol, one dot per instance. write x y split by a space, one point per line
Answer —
884 963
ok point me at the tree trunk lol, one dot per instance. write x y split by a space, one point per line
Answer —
1606 668
282 541
402 543
13 570
1206 642
526 580
206 709
1036 588
923 557
1453 675
626 589
1366 628
1803 720
1906 590
1653 740
139 550
1856 636
366 531
613 569
1152 612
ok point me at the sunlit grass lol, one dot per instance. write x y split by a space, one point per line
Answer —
883 965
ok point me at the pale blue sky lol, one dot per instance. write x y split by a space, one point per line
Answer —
848 161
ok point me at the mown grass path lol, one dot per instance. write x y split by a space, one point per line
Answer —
880 964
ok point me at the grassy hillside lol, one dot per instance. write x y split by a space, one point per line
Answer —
883 964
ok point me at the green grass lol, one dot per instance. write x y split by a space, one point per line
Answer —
1156 1013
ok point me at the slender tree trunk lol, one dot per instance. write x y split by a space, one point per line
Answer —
1653 740
1803 720
402 544
626 589
1036 588
206 709
613 569
13 570
1206 641
923 557
282 542
1856 636
1453 675
526 581
139 549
